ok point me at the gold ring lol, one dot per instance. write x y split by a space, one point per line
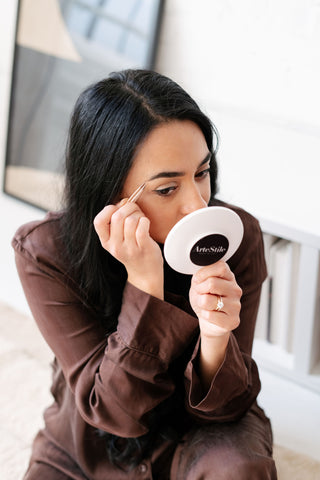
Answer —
220 304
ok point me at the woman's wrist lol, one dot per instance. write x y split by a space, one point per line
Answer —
152 286
211 356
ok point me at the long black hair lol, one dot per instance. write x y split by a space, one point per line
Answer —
110 120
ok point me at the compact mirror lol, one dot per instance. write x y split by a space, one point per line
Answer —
202 238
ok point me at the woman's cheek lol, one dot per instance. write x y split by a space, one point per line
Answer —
160 227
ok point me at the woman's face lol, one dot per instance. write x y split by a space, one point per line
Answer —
174 162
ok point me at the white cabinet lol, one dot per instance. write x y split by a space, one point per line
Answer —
287 339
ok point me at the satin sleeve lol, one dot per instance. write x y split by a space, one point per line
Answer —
236 385
116 380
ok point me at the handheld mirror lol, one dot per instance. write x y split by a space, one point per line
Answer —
202 238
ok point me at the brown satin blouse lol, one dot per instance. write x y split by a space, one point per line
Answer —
113 383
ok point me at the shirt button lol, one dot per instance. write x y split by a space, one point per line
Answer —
143 468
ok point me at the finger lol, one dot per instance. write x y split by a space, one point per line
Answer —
219 269
118 219
130 227
142 233
210 302
102 222
231 307
221 319
214 285
124 209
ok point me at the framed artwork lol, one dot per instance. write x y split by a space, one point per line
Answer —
61 47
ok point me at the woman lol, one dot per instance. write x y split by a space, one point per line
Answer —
153 378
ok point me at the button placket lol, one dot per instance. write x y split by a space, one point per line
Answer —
144 470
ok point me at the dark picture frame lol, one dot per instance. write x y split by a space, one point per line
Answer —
61 47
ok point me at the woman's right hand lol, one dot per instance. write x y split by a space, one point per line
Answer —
123 230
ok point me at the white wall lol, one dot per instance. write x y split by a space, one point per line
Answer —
256 56
255 69
12 212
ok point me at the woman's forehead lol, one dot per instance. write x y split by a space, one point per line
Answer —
170 146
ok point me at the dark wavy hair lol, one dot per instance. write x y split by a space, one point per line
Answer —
111 118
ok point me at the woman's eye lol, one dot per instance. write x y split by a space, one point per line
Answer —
203 173
163 192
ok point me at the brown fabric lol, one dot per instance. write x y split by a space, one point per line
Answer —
235 450
114 383
57 464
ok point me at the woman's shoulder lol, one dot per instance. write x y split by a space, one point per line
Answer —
41 240
39 246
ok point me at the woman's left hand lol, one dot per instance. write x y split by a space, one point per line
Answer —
207 286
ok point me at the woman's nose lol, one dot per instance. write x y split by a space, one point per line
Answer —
194 201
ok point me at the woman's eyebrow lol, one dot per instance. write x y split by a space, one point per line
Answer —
178 174
206 159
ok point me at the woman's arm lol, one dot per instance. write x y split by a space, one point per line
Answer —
208 285
118 380
235 383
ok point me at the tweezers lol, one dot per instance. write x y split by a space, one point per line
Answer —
136 194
